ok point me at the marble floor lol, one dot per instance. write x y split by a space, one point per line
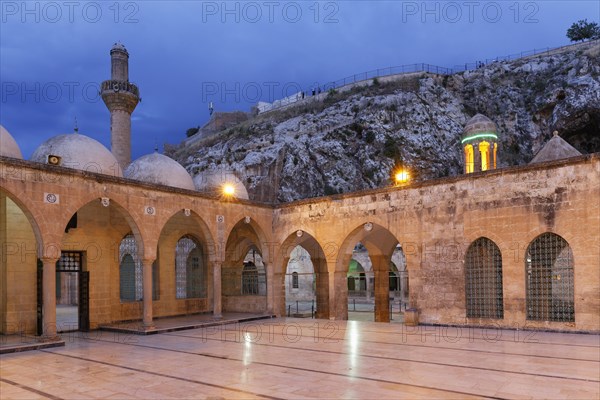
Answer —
67 318
291 358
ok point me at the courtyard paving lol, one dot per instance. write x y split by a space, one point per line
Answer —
305 358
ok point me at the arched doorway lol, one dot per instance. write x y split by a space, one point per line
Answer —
20 281
183 265
244 271
373 248
361 285
98 274
301 259
300 284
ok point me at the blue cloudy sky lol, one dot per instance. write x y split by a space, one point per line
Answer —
184 54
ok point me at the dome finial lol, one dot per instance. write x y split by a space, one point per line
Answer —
76 127
555 133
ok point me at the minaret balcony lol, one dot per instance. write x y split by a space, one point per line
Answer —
119 87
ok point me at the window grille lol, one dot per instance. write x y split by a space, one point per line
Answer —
483 280
250 279
155 280
131 272
189 269
550 291
295 284
127 278
69 261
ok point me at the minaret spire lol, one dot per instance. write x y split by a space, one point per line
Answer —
121 97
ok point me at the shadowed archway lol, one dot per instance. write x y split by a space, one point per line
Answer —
312 249
244 281
380 244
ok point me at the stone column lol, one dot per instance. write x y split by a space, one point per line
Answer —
279 295
382 288
270 287
217 301
49 298
147 299
368 284
338 295
322 288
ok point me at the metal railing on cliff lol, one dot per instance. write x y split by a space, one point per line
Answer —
322 90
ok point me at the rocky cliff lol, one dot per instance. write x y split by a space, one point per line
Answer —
353 139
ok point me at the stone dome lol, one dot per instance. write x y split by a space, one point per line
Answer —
160 170
479 124
8 145
78 152
213 181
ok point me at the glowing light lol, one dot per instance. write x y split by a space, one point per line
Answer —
480 135
402 176
228 189
469 159
484 149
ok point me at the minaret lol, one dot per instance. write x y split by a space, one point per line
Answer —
121 97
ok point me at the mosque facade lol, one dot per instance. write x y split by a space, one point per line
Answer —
89 238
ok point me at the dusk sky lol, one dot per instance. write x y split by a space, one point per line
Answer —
184 54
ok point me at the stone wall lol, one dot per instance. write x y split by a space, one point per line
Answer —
435 222
99 232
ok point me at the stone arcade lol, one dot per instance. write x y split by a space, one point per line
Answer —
516 247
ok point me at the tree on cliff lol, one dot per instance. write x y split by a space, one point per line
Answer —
583 30
192 131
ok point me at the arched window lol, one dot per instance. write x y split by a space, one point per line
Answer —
155 280
469 159
131 287
249 278
295 280
495 154
130 272
483 280
189 269
484 149
549 269
127 278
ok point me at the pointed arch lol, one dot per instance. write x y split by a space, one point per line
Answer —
380 244
114 204
315 282
244 236
549 275
378 240
20 247
179 224
33 215
483 280
245 269
303 239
